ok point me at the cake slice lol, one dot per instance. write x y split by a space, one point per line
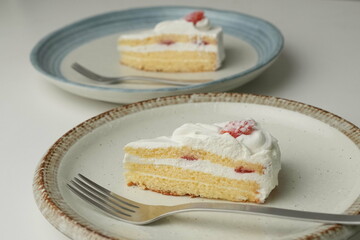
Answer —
190 44
236 161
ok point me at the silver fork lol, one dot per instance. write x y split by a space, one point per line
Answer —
138 213
114 80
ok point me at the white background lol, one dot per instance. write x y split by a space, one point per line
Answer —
319 66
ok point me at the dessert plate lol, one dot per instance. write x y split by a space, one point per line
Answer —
320 169
251 45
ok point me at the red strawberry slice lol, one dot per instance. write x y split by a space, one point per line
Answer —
194 17
237 128
243 170
167 42
189 157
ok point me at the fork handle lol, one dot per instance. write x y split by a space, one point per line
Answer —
115 80
269 211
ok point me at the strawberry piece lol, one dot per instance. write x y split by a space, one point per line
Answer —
189 157
243 170
237 128
194 17
167 42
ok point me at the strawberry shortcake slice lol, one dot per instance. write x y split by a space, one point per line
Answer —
236 161
190 44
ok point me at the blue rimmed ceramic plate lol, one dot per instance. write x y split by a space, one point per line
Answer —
251 45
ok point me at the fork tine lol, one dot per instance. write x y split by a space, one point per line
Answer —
100 199
109 193
86 72
103 197
106 208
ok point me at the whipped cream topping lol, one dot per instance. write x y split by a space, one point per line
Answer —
181 26
208 136
257 147
204 24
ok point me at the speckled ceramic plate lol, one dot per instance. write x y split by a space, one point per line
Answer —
320 169
251 45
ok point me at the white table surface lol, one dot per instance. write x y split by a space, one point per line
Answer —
319 66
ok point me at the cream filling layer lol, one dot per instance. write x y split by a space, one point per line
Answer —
166 60
214 32
267 181
172 47
176 47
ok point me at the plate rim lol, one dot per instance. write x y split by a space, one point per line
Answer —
62 80
45 175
